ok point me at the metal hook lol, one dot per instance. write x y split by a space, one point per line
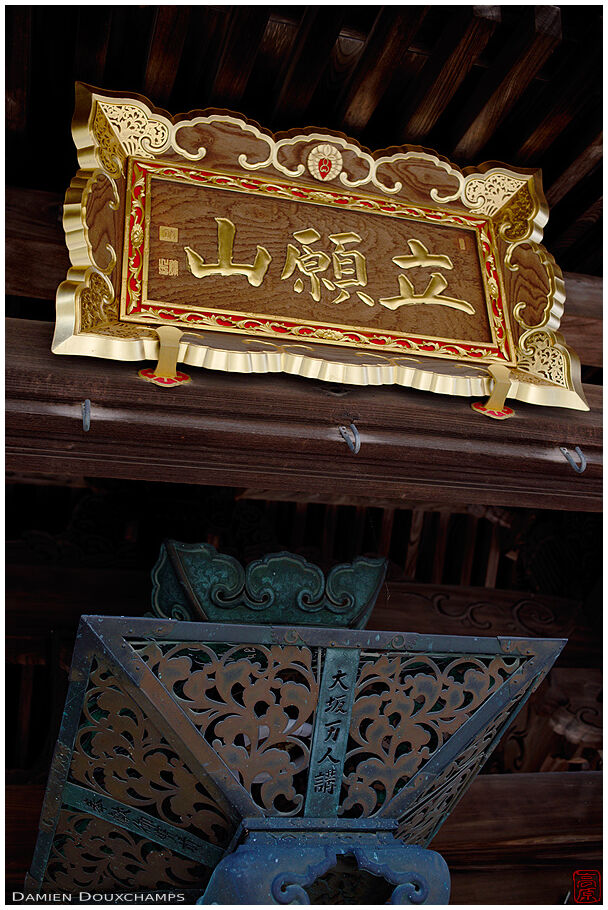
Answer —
575 467
86 415
353 446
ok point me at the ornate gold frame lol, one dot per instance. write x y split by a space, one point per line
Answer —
110 130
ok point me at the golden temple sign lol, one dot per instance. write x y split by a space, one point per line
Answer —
214 243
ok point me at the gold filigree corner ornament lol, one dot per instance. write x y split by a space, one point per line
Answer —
127 148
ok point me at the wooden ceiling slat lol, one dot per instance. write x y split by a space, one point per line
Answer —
317 34
344 58
388 40
204 40
559 104
275 48
168 38
130 37
506 81
581 198
587 252
18 50
459 47
245 33
589 158
92 40
579 227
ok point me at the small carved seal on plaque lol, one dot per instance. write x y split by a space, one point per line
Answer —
325 162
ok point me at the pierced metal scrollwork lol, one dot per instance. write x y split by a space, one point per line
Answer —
405 709
255 705
119 752
431 806
176 732
94 855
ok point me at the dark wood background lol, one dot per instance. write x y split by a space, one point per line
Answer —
486 526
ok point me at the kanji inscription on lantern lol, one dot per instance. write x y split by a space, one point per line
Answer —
330 736
262 259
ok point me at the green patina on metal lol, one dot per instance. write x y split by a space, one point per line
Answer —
194 582
194 756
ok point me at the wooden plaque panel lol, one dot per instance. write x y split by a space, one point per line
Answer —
305 253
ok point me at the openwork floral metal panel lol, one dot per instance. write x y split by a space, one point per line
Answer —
174 732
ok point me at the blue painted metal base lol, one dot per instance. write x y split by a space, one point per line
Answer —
281 866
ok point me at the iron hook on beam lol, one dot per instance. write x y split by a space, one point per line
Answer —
353 444
579 468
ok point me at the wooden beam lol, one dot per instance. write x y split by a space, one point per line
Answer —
559 103
582 165
36 257
18 61
278 432
512 834
245 33
168 38
458 610
389 38
317 35
507 80
92 40
459 46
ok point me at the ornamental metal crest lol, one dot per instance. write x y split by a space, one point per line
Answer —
207 240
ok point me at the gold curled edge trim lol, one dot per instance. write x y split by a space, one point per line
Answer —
297 363
541 349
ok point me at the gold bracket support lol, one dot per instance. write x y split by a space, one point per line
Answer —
495 405
165 373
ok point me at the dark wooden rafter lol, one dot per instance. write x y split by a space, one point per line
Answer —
389 38
506 80
244 34
459 46
552 104
18 38
171 25
520 84
317 34
93 37
581 165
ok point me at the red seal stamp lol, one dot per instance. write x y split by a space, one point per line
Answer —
587 886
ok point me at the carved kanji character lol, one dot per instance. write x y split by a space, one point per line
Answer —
225 266
325 781
432 295
336 704
310 263
337 680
